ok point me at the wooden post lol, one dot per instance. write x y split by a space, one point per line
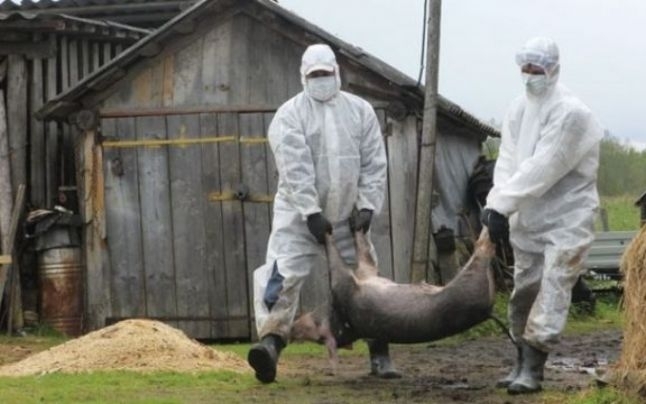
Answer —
11 235
641 204
51 144
16 320
89 163
603 214
17 118
6 190
423 229
37 137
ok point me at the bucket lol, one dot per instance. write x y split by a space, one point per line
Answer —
61 289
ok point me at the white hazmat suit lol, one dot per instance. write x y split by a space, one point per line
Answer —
330 158
545 183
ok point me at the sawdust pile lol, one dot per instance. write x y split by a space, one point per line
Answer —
630 373
135 345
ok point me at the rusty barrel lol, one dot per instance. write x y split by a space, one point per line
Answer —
61 289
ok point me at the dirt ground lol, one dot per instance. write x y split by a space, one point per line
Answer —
464 373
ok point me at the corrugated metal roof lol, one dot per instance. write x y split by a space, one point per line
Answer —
62 23
135 12
68 101
8 5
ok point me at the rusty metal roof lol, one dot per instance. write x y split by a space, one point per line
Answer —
29 22
67 102
147 13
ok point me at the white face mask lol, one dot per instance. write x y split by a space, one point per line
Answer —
321 88
535 84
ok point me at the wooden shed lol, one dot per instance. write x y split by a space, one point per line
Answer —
178 179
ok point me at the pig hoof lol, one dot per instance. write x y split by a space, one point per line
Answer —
330 372
382 367
385 372
389 374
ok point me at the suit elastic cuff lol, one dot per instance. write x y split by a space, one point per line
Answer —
311 211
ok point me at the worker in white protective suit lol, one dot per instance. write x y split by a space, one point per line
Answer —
331 160
545 184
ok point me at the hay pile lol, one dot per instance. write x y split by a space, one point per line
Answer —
630 373
136 345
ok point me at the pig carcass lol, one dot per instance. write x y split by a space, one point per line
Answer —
368 306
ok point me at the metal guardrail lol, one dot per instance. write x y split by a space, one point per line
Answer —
606 251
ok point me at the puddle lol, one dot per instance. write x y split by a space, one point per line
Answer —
593 366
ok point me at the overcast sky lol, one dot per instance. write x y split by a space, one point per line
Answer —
602 44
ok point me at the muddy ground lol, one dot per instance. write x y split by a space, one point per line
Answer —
461 373
446 372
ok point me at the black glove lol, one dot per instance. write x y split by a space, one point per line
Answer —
497 224
361 220
318 226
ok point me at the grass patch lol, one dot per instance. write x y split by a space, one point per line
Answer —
299 349
599 396
127 387
606 315
211 387
623 215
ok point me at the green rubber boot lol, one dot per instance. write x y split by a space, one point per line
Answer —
263 357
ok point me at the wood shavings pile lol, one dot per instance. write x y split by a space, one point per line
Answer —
133 345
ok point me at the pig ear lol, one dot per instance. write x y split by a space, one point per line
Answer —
363 249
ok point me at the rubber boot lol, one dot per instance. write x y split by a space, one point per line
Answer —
531 371
515 371
263 357
380 364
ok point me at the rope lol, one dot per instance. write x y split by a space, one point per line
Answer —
504 328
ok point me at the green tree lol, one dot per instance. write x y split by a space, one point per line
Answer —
622 168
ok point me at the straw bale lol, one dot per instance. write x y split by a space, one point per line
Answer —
630 372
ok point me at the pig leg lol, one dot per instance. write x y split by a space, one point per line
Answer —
311 327
330 344
340 271
380 364
366 266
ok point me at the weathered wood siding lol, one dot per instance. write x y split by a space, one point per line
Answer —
402 170
43 156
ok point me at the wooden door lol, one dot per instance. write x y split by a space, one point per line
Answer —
188 217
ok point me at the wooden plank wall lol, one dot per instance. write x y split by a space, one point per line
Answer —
157 231
253 160
402 169
123 223
17 118
216 271
233 228
37 132
51 147
51 130
380 228
188 204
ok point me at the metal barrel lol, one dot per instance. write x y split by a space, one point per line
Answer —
60 273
